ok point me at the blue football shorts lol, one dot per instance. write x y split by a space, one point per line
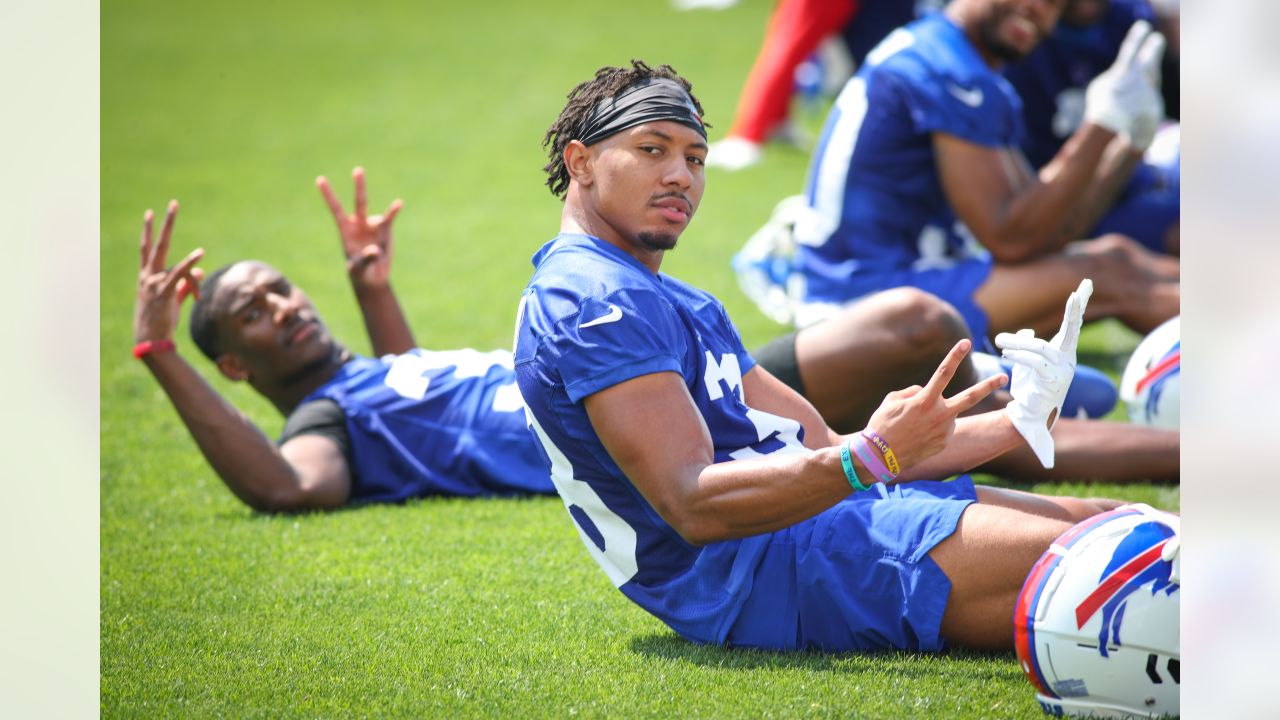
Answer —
857 576
956 284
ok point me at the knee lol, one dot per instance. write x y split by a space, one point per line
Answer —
1109 251
1079 509
1113 260
923 322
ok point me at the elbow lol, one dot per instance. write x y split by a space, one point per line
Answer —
695 528
697 533
1014 252
284 500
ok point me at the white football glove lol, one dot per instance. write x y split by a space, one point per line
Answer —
1042 372
1125 98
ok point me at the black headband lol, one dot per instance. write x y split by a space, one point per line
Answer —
659 99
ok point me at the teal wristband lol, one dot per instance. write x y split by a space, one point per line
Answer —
849 473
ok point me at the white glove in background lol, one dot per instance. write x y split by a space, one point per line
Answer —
1125 98
1042 372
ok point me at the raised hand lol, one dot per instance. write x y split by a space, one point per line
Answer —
161 291
917 422
366 239
1126 97
1042 372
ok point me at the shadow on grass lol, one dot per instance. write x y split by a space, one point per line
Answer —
673 648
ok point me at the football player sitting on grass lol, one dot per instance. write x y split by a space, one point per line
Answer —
411 423
711 494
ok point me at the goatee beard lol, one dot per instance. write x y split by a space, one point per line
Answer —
658 241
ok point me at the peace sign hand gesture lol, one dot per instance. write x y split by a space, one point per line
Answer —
1042 372
366 240
918 422
161 291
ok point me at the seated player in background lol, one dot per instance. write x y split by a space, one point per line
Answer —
919 181
358 430
711 494
1051 82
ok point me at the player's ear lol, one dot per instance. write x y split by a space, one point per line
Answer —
232 368
577 161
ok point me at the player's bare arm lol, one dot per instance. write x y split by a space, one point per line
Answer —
1019 216
707 502
309 472
1015 215
1113 171
366 242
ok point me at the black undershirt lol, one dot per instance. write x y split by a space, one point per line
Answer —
319 417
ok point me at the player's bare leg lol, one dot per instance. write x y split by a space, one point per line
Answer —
990 554
1131 283
987 559
1054 507
1100 451
890 340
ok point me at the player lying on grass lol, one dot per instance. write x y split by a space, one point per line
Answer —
410 424
710 493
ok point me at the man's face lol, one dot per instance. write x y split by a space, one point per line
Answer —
269 325
1011 29
648 181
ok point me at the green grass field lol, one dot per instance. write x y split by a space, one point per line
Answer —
441 607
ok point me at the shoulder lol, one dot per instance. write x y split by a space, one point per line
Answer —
322 417
580 280
695 300
929 53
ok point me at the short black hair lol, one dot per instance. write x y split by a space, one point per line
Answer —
204 331
608 82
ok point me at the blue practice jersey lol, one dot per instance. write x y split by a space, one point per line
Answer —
1051 80
593 317
854 577
436 423
878 213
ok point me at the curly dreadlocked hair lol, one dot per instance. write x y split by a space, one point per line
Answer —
608 82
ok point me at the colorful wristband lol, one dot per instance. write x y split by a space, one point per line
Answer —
890 459
147 347
849 473
868 458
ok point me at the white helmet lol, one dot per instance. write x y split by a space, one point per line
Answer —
1096 623
1150 384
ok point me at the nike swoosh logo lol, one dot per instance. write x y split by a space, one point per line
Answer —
614 315
972 98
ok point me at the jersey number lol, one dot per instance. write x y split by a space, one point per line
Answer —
409 376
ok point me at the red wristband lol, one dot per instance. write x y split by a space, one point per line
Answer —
146 347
